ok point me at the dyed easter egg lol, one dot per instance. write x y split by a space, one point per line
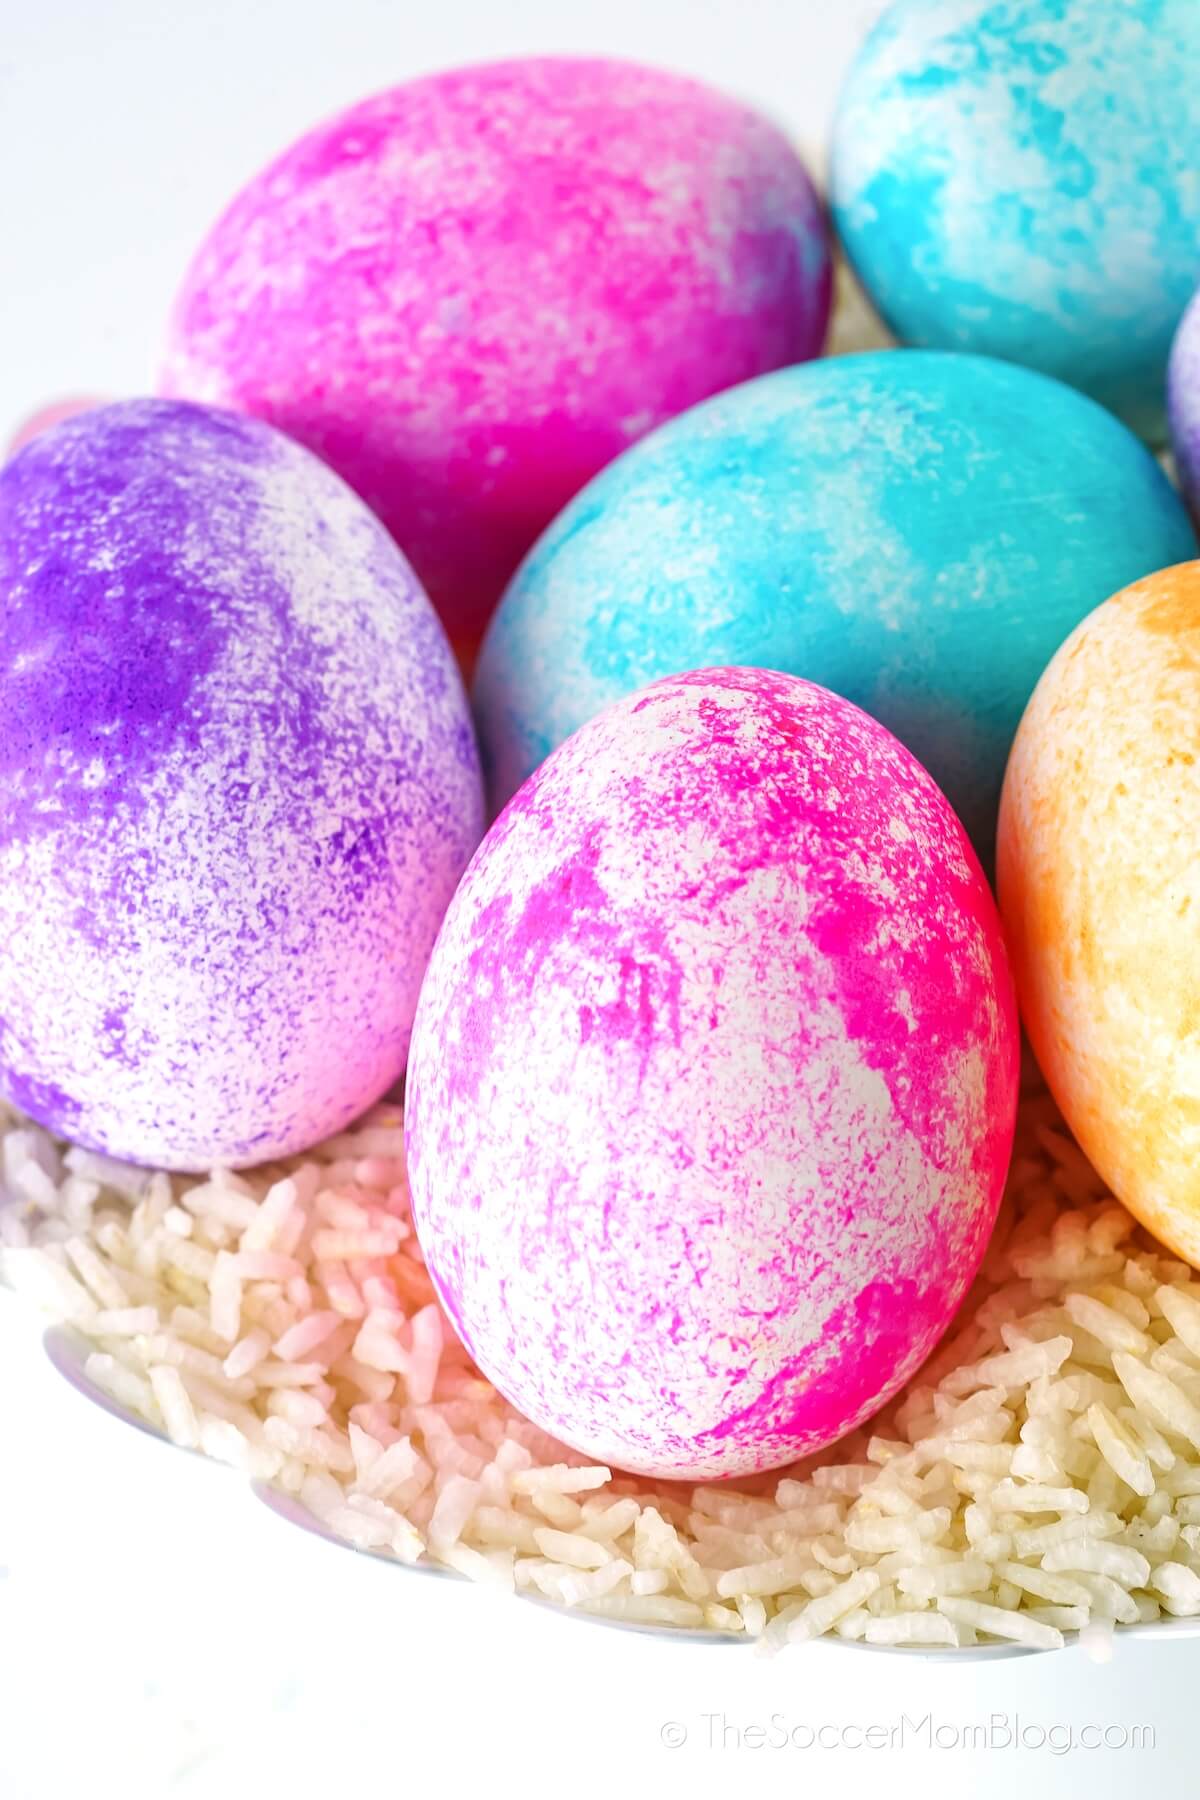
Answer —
1019 177
239 786
1100 890
713 1079
1183 391
471 292
916 530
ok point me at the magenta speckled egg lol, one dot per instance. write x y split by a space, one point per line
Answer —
713 1079
471 292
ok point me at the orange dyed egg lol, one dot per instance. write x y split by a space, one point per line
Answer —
1099 879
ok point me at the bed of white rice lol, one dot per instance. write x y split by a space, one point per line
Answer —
1041 1475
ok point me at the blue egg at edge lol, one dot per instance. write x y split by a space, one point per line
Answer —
917 530
1019 178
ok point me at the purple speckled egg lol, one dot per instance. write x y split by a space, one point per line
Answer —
471 292
1183 404
239 786
713 1080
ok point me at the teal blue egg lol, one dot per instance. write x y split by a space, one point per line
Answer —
915 529
1021 178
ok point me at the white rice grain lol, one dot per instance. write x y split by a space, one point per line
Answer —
820 1614
49 1285
911 1628
247 1354
1120 1449
1159 1396
455 1503
999 1621
126 1321
131 1389
176 1407
655 1581
572 1548
1041 1475
307 1335
97 1275
560 1478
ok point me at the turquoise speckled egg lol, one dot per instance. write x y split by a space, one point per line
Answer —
1022 178
914 529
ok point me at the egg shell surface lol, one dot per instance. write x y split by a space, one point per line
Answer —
1019 177
471 292
1100 890
713 1079
239 786
916 530
51 414
1183 394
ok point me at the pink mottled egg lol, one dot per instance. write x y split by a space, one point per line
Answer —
713 1078
471 292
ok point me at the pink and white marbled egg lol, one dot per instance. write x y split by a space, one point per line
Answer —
471 292
713 1078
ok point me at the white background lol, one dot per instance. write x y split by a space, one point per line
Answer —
160 1634
164 1637
127 125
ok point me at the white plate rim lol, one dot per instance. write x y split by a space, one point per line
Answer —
65 1349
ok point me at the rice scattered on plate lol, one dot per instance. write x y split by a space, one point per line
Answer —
1041 1475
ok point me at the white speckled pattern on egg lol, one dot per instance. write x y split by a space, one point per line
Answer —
471 292
1020 178
713 1078
240 784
